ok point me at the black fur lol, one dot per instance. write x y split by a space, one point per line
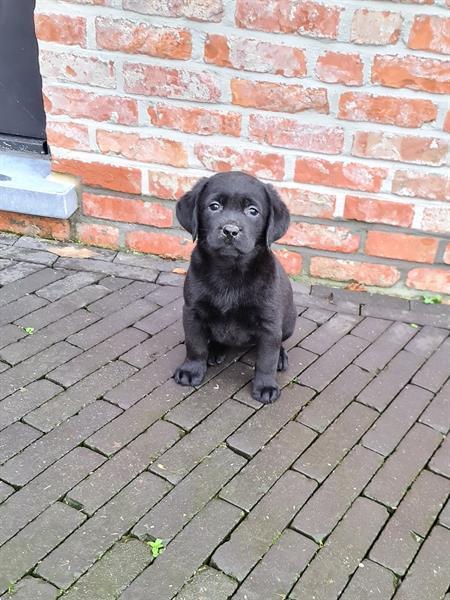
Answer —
236 292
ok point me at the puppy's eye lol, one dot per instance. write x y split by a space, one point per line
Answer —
214 206
252 211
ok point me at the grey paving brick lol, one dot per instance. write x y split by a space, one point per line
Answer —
332 331
107 268
148 261
335 443
315 302
67 403
172 569
94 491
32 588
397 419
30 283
35 367
5 491
28 547
114 436
437 415
24 400
427 341
121 298
318 315
53 445
70 283
162 318
401 468
112 573
174 279
113 323
251 540
8 238
188 498
385 347
393 378
329 571
444 517
403 535
255 479
114 283
156 346
330 364
371 582
202 402
3 367
165 294
331 501
85 546
370 328
94 358
440 463
429 576
327 405
147 379
42 339
16 271
10 334
208 584
64 249
63 307
19 308
15 438
264 424
190 450
280 568
28 255
434 372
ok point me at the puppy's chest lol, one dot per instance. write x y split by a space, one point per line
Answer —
234 325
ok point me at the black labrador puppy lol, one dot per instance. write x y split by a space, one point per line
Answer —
236 292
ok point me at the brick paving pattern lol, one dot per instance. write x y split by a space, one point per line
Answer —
338 490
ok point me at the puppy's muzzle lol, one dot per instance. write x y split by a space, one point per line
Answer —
230 232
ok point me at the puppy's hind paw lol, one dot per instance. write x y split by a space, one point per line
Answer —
266 394
283 361
190 373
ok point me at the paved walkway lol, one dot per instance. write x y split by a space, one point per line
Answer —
338 490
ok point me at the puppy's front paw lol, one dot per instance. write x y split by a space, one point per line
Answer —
265 391
283 361
190 373
216 354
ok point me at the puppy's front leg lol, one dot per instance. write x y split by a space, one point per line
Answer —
265 388
193 370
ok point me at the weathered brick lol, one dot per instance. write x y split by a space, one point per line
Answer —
21 308
70 67
27 255
163 317
401 246
426 341
355 176
278 97
431 186
385 347
206 583
333 330
398 472
413 72
30 283
440 463
337 67
86 545
25 400
370 328
437 415
434 373
370 581
194 9
96 174
430 32
70 283
5 491
58 229
15 438
375 27
370 210
10 334
165 294
190 120
434 280
62 29
114 269
349 270
328 573
156 346
33 588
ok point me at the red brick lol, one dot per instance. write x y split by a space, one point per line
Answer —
349 270
434 280
447 255
169 186
127 210
430 33
254 55
431 186
321 237
197 10
63 29
404 112
401 246
223 158
195 120
95 174
145 149
291 261
154 80
289 133
78 103
426 74
447 122
407 148
79 69
307 17
338 67
436 219
374 27
278 97
306 203
370 210
68 135
123 35
354 176
45 227
98 235
163 244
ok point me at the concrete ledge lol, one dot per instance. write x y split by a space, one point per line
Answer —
27 186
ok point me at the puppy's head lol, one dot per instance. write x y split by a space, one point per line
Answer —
233 213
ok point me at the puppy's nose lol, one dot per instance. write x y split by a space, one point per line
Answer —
231 231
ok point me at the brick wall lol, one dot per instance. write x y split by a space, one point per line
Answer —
344 106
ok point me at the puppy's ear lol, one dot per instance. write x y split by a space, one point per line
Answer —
278 220
187 207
